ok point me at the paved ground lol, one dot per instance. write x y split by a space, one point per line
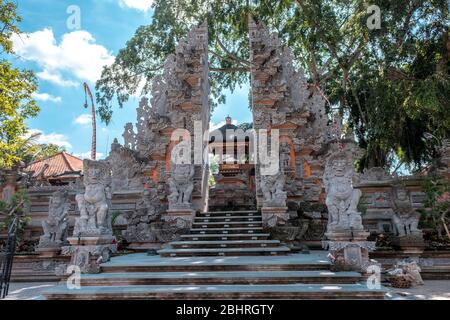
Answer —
28 291
432 290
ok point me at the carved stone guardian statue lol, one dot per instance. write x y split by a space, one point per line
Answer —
93 204
93 241
406 220
55 226
346 238
342 200
181 186
274 210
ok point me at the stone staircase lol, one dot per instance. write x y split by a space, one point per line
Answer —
225 233
226 255
294 276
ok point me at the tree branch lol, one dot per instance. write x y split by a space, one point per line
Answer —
232 55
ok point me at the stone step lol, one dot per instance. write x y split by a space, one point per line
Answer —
143 263
226 230
225 218
222 251
220 236
435 272
224 244
186 292
228 213
219 278
229 224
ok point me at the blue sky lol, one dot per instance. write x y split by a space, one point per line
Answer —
63 58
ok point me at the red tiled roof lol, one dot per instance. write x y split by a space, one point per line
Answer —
58 165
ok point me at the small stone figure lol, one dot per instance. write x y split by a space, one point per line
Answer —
94 203
342 200
55 227
285 157
405 218
129 137
181 186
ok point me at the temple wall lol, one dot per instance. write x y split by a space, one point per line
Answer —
375 203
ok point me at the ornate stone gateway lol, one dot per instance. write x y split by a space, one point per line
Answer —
283 101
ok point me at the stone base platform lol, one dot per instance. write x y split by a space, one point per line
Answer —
296 276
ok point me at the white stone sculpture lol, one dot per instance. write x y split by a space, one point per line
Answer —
55 227
181 186
405 218
272 187
95 219
342 200
409 270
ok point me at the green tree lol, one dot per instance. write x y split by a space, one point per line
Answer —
391 84
16 89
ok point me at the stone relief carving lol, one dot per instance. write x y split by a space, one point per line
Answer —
285 157
95 219
375 174
181 186
342 200
405 218
148 210
272 188
55 226
126 169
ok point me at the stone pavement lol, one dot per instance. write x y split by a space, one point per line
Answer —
28 291
432 290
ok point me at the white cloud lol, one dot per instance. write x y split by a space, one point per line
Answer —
76 55
84 119
53 138
46 97
56 78
141 5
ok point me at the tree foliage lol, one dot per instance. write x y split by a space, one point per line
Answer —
390 84
16 89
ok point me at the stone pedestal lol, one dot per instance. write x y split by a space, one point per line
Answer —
350 249
182 218
144 246
273 216
49 252
88 252
412 245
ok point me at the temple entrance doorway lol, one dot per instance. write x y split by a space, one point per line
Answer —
232 185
